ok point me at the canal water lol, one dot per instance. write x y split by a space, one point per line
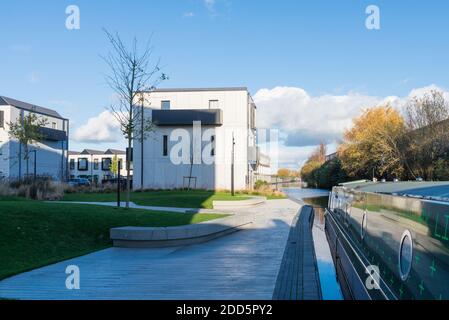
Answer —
317 198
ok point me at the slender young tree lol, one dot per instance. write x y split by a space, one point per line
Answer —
27 130
132 71
114 165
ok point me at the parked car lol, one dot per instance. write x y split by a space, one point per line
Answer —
79 182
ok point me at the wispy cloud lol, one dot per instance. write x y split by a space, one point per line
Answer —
211 7
33 78
188 14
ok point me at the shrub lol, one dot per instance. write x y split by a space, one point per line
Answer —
41 188
260 184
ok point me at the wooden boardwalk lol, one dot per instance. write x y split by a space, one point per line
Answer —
240 266
298 277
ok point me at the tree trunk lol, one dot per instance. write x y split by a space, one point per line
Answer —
25 157
128 173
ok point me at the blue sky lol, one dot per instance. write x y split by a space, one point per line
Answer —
320 46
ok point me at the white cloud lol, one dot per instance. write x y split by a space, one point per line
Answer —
188 15
99 129
305 120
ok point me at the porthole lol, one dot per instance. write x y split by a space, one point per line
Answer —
405 255
364 225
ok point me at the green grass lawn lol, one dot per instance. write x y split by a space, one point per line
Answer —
35 234
181 199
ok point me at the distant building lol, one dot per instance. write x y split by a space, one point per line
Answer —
47 158
225 114
95 165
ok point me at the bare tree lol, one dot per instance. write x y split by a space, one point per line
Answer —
427 119
132 72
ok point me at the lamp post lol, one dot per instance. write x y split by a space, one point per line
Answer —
119 167
142 138
232 165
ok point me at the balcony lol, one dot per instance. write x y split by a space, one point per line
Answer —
186 117
53 134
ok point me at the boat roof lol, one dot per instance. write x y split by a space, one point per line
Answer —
419 189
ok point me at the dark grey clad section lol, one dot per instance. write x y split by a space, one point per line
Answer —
186 117
53 134
2 119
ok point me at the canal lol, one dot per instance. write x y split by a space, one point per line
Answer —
318 199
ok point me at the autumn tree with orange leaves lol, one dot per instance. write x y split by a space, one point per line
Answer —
373 146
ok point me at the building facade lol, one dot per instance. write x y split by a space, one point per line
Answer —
197 135
46 158
95 165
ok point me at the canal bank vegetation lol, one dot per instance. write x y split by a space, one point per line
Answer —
384 143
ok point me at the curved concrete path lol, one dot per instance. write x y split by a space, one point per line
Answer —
243 265
132 205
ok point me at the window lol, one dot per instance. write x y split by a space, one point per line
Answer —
212 141
2 119
53 125
165 150
83 164
405 255
213 104
165 105
106 164
72 164
253 116
96 166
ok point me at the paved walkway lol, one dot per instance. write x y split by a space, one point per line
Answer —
136 206
243 265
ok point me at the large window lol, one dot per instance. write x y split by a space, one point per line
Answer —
72 164
83 164
106 164
2 119
165 146
165 105
212 141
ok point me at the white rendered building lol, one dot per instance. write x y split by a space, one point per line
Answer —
225 115
46 158
95 165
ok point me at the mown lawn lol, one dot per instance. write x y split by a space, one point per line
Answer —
34 234
181 199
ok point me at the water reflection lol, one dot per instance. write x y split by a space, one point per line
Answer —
328 279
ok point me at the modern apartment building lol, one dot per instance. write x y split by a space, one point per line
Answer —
178 154
95 165
46 158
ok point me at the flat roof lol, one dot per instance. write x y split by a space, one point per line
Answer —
424 189
199 89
